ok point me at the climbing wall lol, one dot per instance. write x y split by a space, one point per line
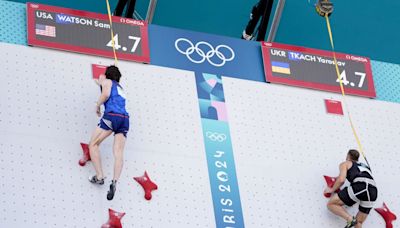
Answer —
284 141
386 80
13 23
47 109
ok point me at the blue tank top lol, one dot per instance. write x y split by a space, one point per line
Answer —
116 101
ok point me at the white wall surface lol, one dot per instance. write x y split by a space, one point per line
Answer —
283 143
47 109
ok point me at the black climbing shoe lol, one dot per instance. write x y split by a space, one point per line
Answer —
94 180
352 223
111 192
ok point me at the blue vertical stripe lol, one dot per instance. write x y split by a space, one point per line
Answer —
219 153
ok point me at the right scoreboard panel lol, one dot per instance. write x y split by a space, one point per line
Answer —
315 69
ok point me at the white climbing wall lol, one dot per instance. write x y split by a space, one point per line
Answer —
47 109
283 142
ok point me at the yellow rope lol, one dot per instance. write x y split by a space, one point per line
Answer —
112 33
343 92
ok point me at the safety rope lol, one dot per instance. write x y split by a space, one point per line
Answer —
343 92
112 33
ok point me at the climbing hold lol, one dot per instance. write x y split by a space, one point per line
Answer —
147 185
330 181
98 70
334 107
114 219
86 155
387 215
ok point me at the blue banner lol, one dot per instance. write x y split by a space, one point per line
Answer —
218 145
200 52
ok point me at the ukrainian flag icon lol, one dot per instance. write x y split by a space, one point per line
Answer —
280 67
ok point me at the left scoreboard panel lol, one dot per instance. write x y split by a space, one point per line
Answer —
87 33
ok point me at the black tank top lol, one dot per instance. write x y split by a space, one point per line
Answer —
358 169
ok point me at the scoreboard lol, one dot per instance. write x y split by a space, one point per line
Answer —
315 69
87 33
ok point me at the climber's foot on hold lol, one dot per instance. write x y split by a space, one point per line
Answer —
95 180
111 192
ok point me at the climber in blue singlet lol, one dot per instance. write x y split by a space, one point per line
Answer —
115 119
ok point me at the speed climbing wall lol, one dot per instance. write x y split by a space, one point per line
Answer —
47 109
224 152
283 141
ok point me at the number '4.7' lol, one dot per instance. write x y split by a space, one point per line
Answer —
117 46
343 78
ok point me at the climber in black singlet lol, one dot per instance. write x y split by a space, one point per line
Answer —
362 190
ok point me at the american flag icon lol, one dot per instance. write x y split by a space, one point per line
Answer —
45 30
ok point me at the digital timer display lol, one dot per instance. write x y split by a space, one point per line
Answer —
315 69
87 33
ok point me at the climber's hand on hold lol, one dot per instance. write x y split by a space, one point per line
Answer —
328 190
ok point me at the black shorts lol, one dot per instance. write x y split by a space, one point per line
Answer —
360 192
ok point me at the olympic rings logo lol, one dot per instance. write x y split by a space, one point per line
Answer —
215 136
208 55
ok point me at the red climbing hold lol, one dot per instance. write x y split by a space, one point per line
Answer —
387 215
114 220
333 107
147 184
97 70
86 154
330 181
